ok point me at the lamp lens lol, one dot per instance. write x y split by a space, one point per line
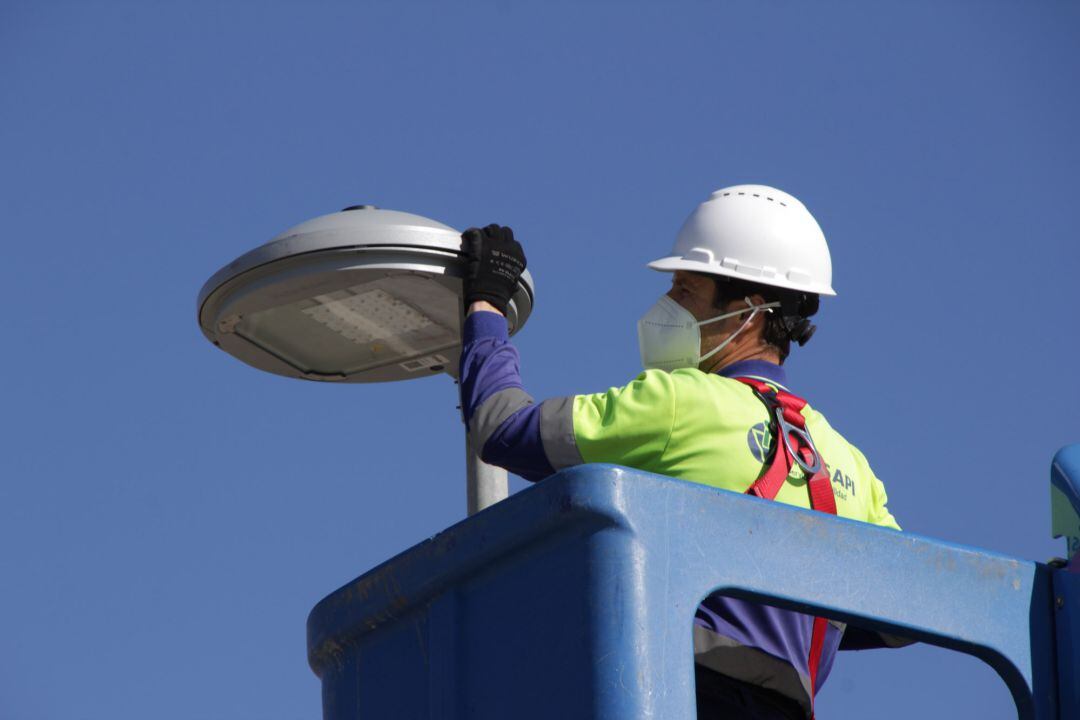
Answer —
361 327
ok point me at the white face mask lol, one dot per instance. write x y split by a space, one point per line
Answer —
669 336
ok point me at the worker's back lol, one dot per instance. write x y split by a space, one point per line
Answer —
713 429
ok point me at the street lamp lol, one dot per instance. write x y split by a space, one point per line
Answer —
358 296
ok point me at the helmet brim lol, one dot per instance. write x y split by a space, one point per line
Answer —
677 262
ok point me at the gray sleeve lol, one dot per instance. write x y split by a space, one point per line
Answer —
493 412
557 432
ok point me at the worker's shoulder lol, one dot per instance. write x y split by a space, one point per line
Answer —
818 423
681 378
688 381
816 417
820 429
684 385
694 377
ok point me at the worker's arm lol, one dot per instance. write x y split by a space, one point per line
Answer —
629 425
503 421
505 426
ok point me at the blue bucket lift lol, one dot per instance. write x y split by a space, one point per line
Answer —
589 580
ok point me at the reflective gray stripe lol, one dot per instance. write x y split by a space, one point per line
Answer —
557 432
491 414
728 657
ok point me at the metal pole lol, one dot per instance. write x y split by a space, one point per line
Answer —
486 484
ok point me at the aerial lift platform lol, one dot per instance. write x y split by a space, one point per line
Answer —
590 580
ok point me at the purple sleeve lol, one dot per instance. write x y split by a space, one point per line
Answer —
490 371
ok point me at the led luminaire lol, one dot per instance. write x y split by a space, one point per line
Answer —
368 316
364 295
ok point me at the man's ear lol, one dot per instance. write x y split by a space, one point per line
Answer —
757 299
758 324
735 304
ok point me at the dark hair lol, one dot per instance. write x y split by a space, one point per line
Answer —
782 325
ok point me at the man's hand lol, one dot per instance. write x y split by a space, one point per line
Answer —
494 262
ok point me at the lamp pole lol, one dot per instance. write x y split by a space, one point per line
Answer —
486 484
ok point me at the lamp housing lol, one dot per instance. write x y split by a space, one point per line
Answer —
357 296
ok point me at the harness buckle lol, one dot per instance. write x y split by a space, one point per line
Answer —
786 431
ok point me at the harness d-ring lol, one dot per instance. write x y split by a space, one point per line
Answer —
786 431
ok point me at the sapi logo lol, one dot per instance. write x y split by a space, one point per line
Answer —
759 438
842 484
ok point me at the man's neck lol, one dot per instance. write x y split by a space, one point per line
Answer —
739 354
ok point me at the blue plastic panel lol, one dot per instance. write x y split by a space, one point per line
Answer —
575 598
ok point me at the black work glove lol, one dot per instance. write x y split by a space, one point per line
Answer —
494 261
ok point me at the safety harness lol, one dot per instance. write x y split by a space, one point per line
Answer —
792 444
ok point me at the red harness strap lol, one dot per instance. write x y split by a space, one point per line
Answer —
794 445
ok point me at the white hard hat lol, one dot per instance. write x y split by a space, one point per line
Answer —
755 233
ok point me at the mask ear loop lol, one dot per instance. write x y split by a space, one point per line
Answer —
752 307
754 310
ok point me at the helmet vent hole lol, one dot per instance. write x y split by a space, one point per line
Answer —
718 193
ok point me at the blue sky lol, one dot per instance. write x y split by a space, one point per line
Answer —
168 516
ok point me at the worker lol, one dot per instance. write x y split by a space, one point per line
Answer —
749 266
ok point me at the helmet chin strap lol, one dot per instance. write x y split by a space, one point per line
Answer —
754 310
